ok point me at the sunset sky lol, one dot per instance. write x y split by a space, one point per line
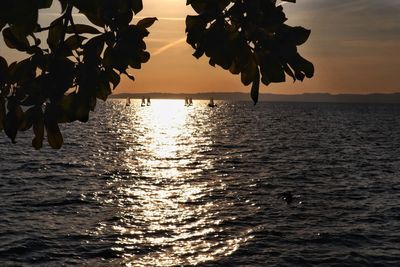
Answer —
354 46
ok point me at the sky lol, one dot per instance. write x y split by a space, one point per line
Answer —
354 45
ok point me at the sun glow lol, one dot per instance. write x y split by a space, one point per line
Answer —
166 204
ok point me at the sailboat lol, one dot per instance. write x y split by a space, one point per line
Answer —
128 101
143 102
212 104
148 101
190 102
186 102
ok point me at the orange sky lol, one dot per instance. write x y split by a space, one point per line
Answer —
354 46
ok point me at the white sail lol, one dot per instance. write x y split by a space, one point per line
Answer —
128 101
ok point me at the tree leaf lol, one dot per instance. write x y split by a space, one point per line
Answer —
44 3
2 112
2 24
27 121
54 136
82 28
13 42
271 70
146 22
249 72
198 5
23 71
131 77
103 90
74 42
94 47
137 6
11 126
255 87
113 78
300 35
86 5
308 67
3 71
302 67
144 57
55 33
13 119
95 18
38 129
25 18
295 35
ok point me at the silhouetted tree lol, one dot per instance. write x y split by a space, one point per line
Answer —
61 81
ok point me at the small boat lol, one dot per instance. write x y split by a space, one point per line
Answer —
186 102
190 102
148 101
143 102
212 104
128 102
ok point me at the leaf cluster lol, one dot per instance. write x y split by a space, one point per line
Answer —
65 73
61 80
250 38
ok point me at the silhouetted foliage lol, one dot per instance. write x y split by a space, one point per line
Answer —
60 81
248 37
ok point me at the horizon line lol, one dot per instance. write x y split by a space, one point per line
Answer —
239 92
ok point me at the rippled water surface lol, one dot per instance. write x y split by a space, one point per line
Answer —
169 185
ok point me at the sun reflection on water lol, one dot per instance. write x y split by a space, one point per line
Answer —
167 216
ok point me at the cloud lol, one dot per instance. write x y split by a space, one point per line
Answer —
168 46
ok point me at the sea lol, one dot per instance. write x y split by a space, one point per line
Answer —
272 184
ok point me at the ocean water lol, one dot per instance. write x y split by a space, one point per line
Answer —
169 185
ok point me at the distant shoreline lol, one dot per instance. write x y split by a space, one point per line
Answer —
307 97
